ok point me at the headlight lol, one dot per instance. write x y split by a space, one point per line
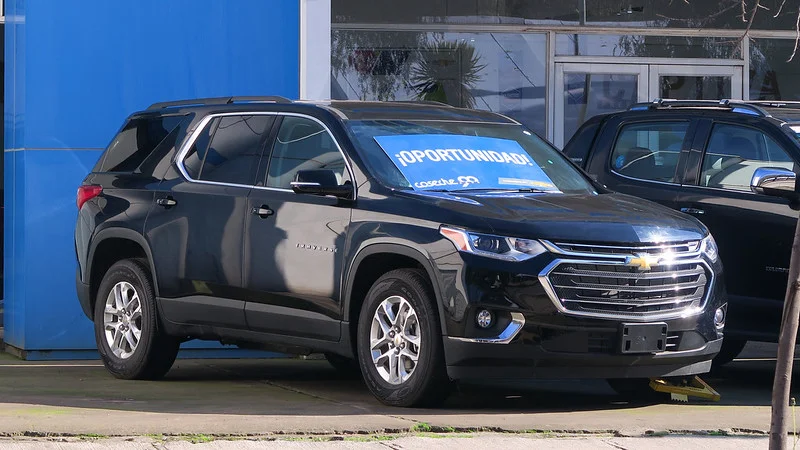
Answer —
709 248
498 247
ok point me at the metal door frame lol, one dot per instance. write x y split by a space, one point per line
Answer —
733 71
639 70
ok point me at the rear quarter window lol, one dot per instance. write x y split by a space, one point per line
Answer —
136 141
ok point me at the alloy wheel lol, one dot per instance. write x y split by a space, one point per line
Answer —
395 340
122 320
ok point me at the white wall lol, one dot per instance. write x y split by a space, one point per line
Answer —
315 49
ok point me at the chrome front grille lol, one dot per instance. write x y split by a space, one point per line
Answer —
637 282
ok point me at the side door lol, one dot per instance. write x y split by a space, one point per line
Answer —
195 229
294 243
753 232
643 157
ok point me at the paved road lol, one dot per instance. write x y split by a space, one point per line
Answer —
259 397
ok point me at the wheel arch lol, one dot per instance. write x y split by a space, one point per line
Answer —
137 246
401 255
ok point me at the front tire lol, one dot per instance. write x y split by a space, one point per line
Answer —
128 337
400 341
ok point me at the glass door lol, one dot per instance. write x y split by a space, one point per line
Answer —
696 82
586 90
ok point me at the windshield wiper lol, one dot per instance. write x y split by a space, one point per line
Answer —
501 190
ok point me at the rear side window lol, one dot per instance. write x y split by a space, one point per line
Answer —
649 150
136 142
235 149
229 149
303 144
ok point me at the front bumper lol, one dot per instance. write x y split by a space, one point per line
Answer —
533 338
467 360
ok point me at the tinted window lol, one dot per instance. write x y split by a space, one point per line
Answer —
303 144
136 141
734 153
649 151
235 149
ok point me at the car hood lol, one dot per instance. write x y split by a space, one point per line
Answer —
604 218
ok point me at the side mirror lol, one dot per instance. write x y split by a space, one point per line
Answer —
320 182
776 182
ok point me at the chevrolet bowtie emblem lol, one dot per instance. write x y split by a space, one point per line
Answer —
641 262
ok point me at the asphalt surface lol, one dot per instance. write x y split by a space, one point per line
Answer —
285 397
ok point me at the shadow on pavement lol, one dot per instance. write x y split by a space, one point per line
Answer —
312 387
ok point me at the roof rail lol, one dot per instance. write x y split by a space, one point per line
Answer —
219 101
776 103
730 105
425 102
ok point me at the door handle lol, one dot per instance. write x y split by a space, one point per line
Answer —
166 202
262 211
693 211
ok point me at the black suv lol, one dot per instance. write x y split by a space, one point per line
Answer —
732 165
417 243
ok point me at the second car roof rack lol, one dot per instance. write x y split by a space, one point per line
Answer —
753 108
219 101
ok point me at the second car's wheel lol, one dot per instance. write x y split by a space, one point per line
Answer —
400 341
636 389
129 340
729 351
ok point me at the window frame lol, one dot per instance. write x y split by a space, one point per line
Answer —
680 167
695 183
262 177
215 124
266 150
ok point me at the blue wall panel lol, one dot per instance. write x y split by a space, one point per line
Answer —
74 71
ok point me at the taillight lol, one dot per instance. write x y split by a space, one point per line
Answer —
88 192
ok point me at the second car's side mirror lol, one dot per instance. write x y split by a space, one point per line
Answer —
776 182
320 182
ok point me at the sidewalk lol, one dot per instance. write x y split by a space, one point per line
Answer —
462 442
267 398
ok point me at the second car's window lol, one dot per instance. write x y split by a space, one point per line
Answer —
649 151
235 149
303 144
735 152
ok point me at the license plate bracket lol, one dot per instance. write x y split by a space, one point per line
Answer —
643 337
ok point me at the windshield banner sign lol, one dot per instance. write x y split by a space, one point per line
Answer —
453 162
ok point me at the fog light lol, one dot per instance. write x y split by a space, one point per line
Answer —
484 318
719 317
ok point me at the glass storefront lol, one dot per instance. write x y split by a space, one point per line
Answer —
721 14
552 65
501 72
772 76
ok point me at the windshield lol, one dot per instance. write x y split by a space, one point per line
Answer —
464 156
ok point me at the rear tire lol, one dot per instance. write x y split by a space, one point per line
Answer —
731 348
126 324
399 341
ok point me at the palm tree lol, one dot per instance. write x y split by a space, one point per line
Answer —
446 71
